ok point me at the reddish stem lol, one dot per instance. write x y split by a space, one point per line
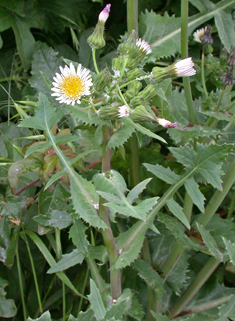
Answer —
27 186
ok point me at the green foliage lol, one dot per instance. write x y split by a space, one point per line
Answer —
7 306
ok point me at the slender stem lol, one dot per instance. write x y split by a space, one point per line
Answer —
195 286
21 284
27 186
230 105
95 274
202 71
83 291
172 260
132 16
64 302
231 209
34 275
115 275
134 161
94 61
184 54
188 205
218 196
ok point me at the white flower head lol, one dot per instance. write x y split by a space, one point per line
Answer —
123 111
104 14
184 67
143 46
71 85
166 123
197 34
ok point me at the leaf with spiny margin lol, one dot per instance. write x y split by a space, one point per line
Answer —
46 316
143 130
67 260
225 26
122 305
149 275
87 116
98 253
207 160
78 235
83 316
194 192
7 306
177 211
230 249
210 243
220 115
178 230
227 310
138 189
96 302
84 198
120 136
159 316
55 219
45 60
111 182
45 116
165 174
136 311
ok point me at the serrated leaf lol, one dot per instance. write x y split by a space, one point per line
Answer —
138 189
226 309
68 260
120 136
78 234
83 316
225 27
159 316
111 182
7 306
46 316
96 302
210 243
207 160
136 311
219 115
194 192
165 174
86 116
122 305
55 219
149 275
45 116
231 249
177 211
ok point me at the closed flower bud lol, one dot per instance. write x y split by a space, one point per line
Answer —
148 92
133 74
113 112
140 114
133 89
128 48
166 123
96 39
117 63
102 80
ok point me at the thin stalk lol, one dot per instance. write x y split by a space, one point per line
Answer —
34 275
132 16
59 256
184 54
203 71
172 260
195 286
64 302
231 209
115 275
95 274
83 291
218 196
94 61
188 206
21 284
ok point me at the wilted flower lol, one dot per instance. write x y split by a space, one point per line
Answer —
231 57
104 14
228 78
71 85
166 123
203 35
144 47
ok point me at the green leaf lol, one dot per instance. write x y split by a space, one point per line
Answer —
16 5
7 306
149 275
81 113
122 305
12 206
96 302
68 260
177 210
111 182
226 309
194 192
55 219
207 160
138 189
45 60
120 136
225 27
165 174
231 249
178 108
159 316
210 243
46 316
45 116
83 316
136 311
78 235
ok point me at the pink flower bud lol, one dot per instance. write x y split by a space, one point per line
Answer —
166 123
103 16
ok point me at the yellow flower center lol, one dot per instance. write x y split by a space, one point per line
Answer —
72 86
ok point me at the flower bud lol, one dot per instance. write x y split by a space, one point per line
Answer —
128 48
140 114
117 63
113 112
96 39
133 74
166 123
102 80
133 89
208 49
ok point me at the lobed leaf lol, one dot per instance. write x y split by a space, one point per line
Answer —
7 306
